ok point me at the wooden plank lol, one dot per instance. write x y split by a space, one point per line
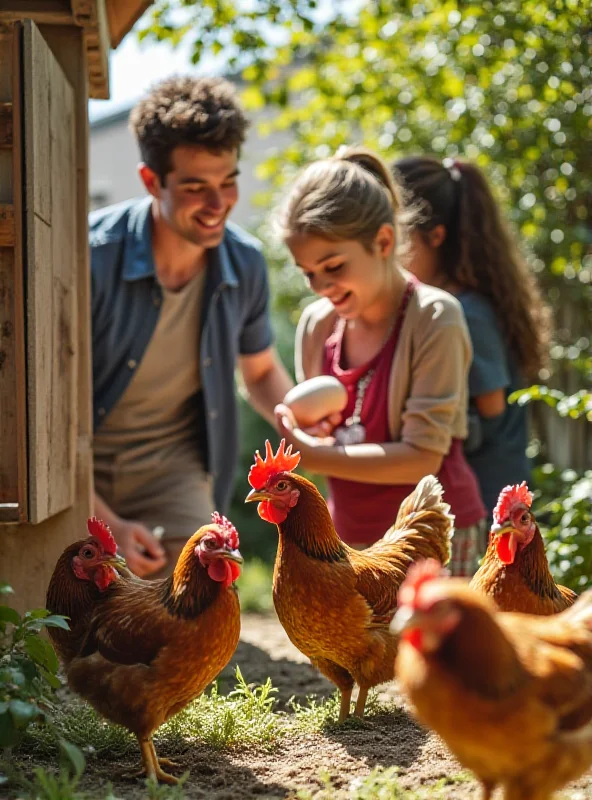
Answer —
122 16
9 512
51 263
49 12
44 543
6 133
8 379
13 485
7 228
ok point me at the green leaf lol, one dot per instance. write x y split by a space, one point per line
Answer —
12 675
51 679
9 734
5 588
23 713
56 621
73 754
41 652
8 614
37 613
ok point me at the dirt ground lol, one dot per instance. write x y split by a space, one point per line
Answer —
347 754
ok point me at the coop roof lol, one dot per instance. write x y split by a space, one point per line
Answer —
105 23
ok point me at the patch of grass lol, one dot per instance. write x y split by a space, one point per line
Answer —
48 785
254 586
317 716
380 784
245 717
80 724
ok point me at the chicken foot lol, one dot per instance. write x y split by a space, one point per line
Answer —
152 764
361 701
345 705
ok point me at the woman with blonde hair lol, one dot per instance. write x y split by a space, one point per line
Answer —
457 241
400 348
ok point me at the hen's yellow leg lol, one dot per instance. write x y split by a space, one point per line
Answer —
361 701
345 704
151 764
161 775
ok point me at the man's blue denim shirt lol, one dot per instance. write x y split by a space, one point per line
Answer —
126 299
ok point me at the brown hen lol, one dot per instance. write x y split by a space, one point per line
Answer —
153 646
515 572
510 694
335 603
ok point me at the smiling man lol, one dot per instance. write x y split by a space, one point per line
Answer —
179 298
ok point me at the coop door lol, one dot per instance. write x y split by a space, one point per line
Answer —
37 280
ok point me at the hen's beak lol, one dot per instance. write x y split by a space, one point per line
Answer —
116 561
507 527
406 617
232 555
256 496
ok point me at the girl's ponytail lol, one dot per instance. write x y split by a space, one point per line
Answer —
346 197
478 252
374 165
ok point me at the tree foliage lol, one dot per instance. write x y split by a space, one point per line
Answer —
505 83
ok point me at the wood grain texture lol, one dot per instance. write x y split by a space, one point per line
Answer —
51 265
30 552
13 467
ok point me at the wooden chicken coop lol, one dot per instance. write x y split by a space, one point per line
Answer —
53 57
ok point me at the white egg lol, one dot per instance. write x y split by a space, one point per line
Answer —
317 398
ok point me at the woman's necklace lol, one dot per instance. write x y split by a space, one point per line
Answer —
352 431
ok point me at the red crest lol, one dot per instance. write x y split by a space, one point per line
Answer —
509 497
419 573
102 532
283 461
228 528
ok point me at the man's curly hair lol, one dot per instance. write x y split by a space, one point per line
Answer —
187 111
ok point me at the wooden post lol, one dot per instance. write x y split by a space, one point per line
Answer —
29 552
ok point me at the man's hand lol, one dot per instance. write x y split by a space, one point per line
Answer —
139 547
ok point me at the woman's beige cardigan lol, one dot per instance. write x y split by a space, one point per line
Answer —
428 384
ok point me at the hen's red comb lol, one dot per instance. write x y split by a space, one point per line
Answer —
419 573
102 532
283 461
230 531
509 497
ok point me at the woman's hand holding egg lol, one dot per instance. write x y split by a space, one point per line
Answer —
316 404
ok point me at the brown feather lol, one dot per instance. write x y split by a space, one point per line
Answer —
336 603
523 682
150 647
526 585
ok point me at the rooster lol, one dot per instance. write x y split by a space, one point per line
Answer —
81 579
335 603
515 571
510 694
150 647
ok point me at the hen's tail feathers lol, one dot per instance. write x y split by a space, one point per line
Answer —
581 611
424 512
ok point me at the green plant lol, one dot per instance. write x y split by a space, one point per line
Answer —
574 406
28 678
254 586
244 717
380 784
563 508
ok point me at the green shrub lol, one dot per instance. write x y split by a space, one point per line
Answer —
563 508
28 678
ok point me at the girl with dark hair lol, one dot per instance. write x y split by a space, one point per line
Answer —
401 349
457 241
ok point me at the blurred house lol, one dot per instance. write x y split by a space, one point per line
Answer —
114 157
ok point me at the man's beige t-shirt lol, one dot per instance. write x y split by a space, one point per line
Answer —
151 434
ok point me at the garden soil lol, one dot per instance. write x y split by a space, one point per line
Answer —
296 764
